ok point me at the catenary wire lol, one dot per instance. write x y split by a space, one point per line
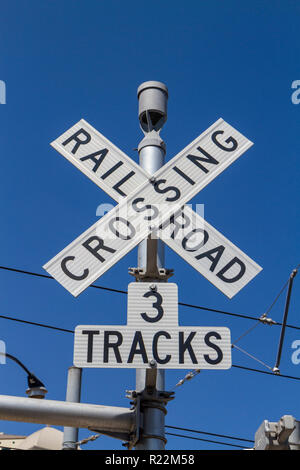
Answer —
43 325
124 292
207 440
209 433
266 372
183 304
280 292
71 331
251 356
247 332
180 303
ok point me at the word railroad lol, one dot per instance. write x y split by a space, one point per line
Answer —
152 205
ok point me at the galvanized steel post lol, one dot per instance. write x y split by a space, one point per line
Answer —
73 395
105 419
152 98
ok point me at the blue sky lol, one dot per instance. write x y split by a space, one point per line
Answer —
66 60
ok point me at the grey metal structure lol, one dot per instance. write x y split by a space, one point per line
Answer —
283 435
152 98
276 369
110 419
73 395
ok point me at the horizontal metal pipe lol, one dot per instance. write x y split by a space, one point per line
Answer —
60 413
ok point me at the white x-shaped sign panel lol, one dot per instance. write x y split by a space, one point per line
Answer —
152 205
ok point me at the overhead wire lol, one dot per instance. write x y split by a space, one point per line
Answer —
43 325
251 356
190 375
206 440
210 433
183 304
180 303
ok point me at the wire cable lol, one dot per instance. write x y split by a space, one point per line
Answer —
210 433
207 440
265 372
280 292
21 271
183 304
251 356
124 292
36 324
246 332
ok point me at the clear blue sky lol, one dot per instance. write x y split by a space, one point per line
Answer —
66 60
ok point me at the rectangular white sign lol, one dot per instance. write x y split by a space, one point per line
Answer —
152 334
150 303
119 231
171 348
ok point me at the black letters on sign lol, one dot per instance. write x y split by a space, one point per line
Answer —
90 334
228 266
177 225
138 340
183 175
186 345
230 140
191 233
159 190
111 170
156 305
144 208
117 233
99 246
196 159
158 359
215 259
116 187
115 346
93 156
213 346
79 142
68 273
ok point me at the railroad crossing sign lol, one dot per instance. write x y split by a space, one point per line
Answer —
152 336
152 204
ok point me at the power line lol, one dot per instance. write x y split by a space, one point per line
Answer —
280 292
21 271
251 356
206 440
210 433
43 325
266 372
124 292
183 304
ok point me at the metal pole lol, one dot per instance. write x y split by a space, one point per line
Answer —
285 316
107 419
73 395
152 114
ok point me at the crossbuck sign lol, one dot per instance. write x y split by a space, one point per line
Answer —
152 205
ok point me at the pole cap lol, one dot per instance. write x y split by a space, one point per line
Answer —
153 98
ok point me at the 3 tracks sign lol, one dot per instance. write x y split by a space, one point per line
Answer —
152 336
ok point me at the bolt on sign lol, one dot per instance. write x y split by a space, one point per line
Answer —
152 336
152 205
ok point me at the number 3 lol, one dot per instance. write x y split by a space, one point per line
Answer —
156 305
